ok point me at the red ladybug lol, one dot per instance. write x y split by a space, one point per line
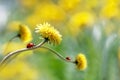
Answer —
30 45
68 58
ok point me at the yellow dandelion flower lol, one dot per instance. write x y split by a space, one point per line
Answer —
110 10
43 12
81 61
82 18
69 4
25 33
49 32
91 4
79 21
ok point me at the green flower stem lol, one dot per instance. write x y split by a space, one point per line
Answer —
7 45
21 50
58 54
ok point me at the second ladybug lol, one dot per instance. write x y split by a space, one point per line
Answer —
30 45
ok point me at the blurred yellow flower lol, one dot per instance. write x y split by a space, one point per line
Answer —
112 1
80 20
49 11
92 4
32 20
46 11
81 61
49 32
25 33
28 3
69 4
13 26
110 10
19 70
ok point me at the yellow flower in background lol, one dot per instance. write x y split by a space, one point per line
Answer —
32 20
13 26
92 4
81 61
49 32
46 11
80 20
110 10
28 3
19 69
112 1
25 33
49 11
69 4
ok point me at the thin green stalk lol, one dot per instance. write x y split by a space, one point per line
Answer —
7 45
58 54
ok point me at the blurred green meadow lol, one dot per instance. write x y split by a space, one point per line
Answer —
91 27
